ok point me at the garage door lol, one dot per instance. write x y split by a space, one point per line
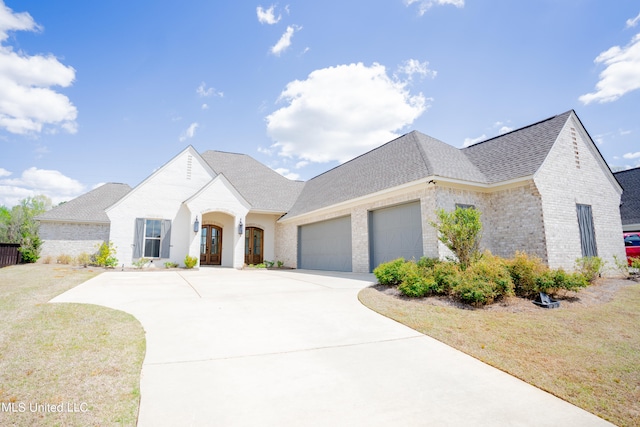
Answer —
325 245
395 232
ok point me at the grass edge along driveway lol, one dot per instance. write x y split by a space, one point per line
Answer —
588 356
65 364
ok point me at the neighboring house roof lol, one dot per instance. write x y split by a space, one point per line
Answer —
630 206
89 207
264 188
414 156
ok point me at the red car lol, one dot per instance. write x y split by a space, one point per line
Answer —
632 245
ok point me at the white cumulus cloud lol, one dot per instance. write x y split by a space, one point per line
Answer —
287 173
34 182
340 112
411 67
267 16
633 21
203 91
621 74
425 5
630 156
285 40
189 133
27 102
470 141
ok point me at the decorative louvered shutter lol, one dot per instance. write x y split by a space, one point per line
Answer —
587 232
165 239
138 238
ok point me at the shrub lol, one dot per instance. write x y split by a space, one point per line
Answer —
484 281
524 270
106 255
415 283
64 259
280 264
425 263
475 292
460 231
170 264
30 248
83 259
388 273
635 262
590 267
141 262
47 259
447 276
570 281
269 264
190 261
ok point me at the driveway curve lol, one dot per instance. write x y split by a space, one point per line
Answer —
296 348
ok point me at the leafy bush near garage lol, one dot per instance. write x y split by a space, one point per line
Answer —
525 270
388 273
190 261
484 281
415 282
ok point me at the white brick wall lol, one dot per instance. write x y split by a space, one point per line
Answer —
571 174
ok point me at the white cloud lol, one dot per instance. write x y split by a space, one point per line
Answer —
287 173
285 40
621 75
425 5
414 66
203 91
470 141
27 102
301 164
340 112
4 172
204 106
268 16
630 156
505 129
633 22
189 133
34 182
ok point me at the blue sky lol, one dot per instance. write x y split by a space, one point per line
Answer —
95 92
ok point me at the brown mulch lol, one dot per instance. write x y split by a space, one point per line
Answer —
601 292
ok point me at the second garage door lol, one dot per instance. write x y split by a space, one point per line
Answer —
395 232
325 245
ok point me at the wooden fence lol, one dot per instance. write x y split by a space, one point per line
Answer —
9 254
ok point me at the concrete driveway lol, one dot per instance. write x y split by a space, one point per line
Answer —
296 348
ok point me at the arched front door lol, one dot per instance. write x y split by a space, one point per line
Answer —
210 245
253 245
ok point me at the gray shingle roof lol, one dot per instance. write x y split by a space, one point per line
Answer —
518 153
630 207
90 207
405 159
264 188
414 156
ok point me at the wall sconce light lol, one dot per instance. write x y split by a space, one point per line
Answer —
196 225
240 227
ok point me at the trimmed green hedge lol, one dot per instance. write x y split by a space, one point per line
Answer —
486 279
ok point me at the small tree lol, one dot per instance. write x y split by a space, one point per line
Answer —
460 231
106 255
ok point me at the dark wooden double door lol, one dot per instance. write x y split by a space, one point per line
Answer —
211 245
